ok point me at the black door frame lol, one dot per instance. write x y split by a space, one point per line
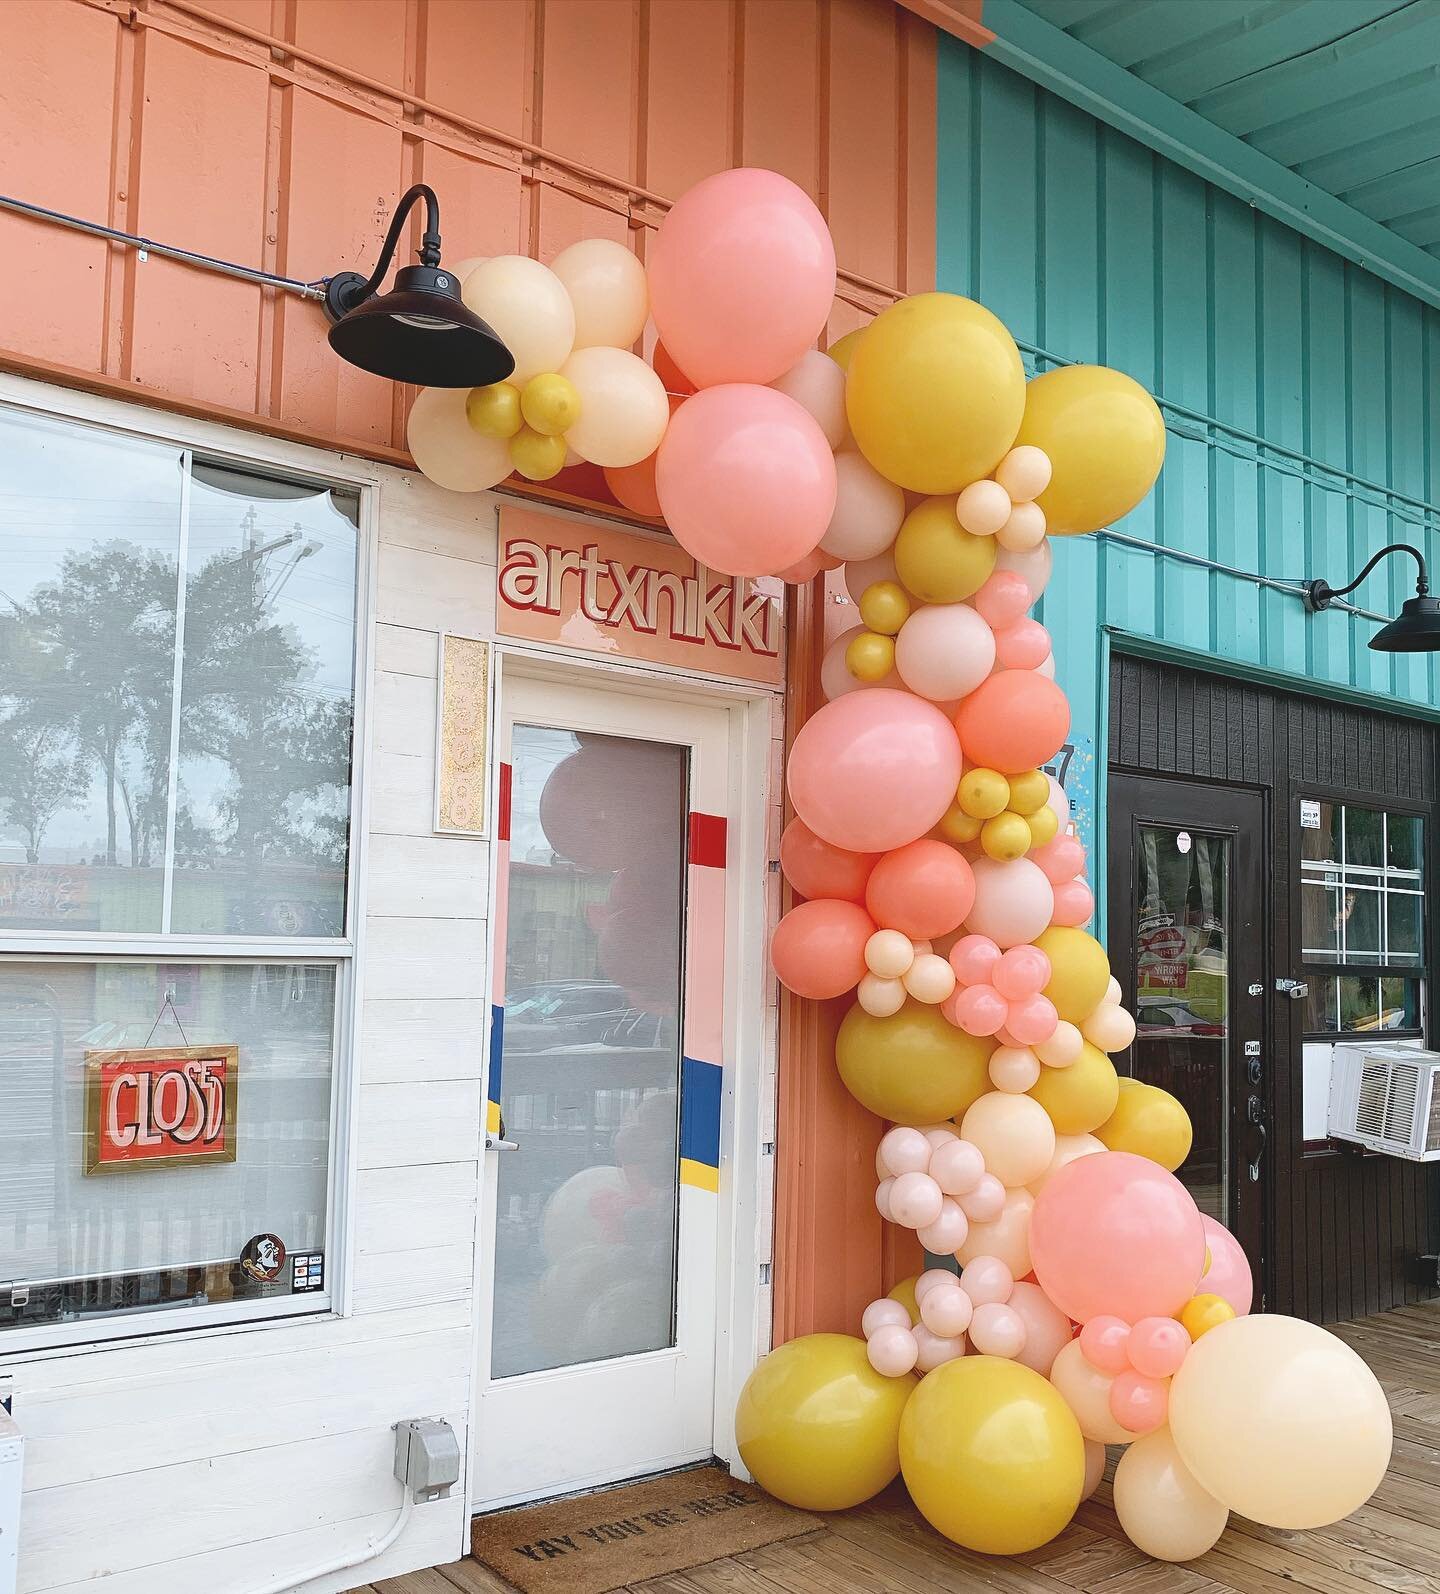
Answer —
1134 798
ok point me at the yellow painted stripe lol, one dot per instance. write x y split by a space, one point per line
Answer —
699 1174
492 1117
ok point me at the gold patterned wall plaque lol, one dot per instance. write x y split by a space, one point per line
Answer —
462 781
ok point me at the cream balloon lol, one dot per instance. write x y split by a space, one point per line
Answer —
527 305
817 384
448 449
623 408
889 954
835 677
868 509
1007 1237
983 507
1160 1503
1014 1134
944 651
929 979
1067 1148
1086 1390
880 997
606 284
463 268
1095 1459
1025 529
1024 473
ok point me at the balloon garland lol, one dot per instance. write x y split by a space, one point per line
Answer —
942 890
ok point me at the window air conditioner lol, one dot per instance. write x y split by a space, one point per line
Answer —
1385 1098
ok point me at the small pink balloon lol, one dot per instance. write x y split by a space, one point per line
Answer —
932 1278
948 1232
1062 858
1158 1346
947 1312
892 1350
1074 904
882 1198
996 1330
1047 1329
957 1167
934 1349
1003 599
1032 1020
1025 645
939 1136
1022 971
986 1201
1014 1069
1138 1403
1105 1342
881 1313
979 1009
905 1150
915 1200
987 1280
974 959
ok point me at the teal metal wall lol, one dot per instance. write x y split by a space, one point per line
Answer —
1302 396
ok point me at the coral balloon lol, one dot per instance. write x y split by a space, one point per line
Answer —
1080 971
1228 1273
1162 1508
1081 1096
1158 1346
527 305
991 1455
1106 1343
1137 1402
447 448
1023 645
1105 438
817 384
978 1010
873 770
1115 1234
1074 904
1014 1135
1014 721
1047 1329
935 392
816 868
1061 859
742 277
606 284
911 1067
1151 1123
817 1426
1013 902
1003 599
1086 1390
624 411
1022 971
974 958
677 384
924 889
944 651
818 949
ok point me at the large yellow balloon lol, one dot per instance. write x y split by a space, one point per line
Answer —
992 1455
843 349
904 1292
818 1426
1106 440
912 1067
1151 1123
1161 1506
1280 1421
1079 971
935 392
1081 1097
936 558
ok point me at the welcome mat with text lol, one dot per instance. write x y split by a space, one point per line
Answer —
596 1542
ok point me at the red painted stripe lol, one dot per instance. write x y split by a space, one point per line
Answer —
707 840
502 819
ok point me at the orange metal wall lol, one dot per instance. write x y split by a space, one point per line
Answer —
281 132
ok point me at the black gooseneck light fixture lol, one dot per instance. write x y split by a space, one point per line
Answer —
420 331
1417 627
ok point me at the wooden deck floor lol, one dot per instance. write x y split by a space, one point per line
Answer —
1392 1543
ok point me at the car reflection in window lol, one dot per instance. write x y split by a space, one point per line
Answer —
1174 1018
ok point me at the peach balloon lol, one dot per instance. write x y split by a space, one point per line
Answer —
880 997
1024 529
947 1233
881 1312
1047 1329
818 949
983 507
1095 1459
985 1200
1063 1047
929 979
1024 473
997 1330
904 1150
1086 1390
1007 1237
947 1312
874 770
1014 721
1014 1135
1162 1508
892 1350
1014 1069
868 509
957 1167
889 954
1013 899
634 485
987 1280
817 384
815 868
923 889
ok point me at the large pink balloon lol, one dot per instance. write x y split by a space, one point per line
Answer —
1114 1234
746 480
1013 901
874 770
1228 1275
742 277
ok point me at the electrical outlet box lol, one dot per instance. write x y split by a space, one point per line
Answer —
427 1459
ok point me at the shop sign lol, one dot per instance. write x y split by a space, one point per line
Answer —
576 584
160 1107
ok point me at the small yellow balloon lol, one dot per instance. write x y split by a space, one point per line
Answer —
1201 1313
904 1292
536 456
1105 437
912 1067
884 606
1079 971
983 793
1005 837
937 559
1151 1123
818 1426
843 349
870 657
992 1456
1044 826
550 404
1081 1097
935 393
958 827
494 411
1029 792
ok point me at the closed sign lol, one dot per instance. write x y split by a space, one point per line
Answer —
159 1107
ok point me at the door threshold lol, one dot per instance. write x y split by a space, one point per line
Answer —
646 1475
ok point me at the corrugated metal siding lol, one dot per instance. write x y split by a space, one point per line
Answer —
1290 381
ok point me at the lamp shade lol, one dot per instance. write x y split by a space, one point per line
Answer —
420 332
1415 630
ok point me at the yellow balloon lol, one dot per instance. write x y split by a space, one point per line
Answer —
1044 825
958 827
1161 1506
983 793
842 349
494 411
550 404
870 657
536 456
818 1426
992 1456
904 1292
1005 837
937 559
935 393
1201 1313
1151 1123
1081 1097
911 1067
1030 792
885 607
1106 440
1079 971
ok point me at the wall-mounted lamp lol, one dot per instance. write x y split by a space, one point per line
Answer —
420 331
1415 630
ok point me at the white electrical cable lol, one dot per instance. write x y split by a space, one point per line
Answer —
377 1547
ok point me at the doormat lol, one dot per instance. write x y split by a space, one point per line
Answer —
591 1543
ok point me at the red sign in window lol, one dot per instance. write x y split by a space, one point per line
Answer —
160 1107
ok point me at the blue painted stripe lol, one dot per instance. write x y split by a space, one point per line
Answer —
497 1049
700 1087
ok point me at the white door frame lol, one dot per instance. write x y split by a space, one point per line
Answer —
747 1132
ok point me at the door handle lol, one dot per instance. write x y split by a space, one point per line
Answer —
495 1143
1255 1114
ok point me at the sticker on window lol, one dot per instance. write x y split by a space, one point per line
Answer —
1309 814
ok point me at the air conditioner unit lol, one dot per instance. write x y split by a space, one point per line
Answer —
1386 1098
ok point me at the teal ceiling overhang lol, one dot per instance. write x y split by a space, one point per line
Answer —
1322 113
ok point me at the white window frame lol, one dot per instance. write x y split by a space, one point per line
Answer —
254 452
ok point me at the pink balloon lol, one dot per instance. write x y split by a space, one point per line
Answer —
933 1278
974 959
1003 599
882 1197
1061 858
874 770
818 949
1139 1403
1158 1346
1032 1020
1074 904
1228 1275
978 1009
915 1200
1047 1329
986 1279
957 1167
881 1312
746 480
936 1350
1025 645
986 1201
996 1330
1013 900
947 1311
892 1350
924 889
904 1150
948 1232
1105 1342
1022 971
1116 1234
742 277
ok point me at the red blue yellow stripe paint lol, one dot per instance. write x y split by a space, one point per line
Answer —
701 1079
